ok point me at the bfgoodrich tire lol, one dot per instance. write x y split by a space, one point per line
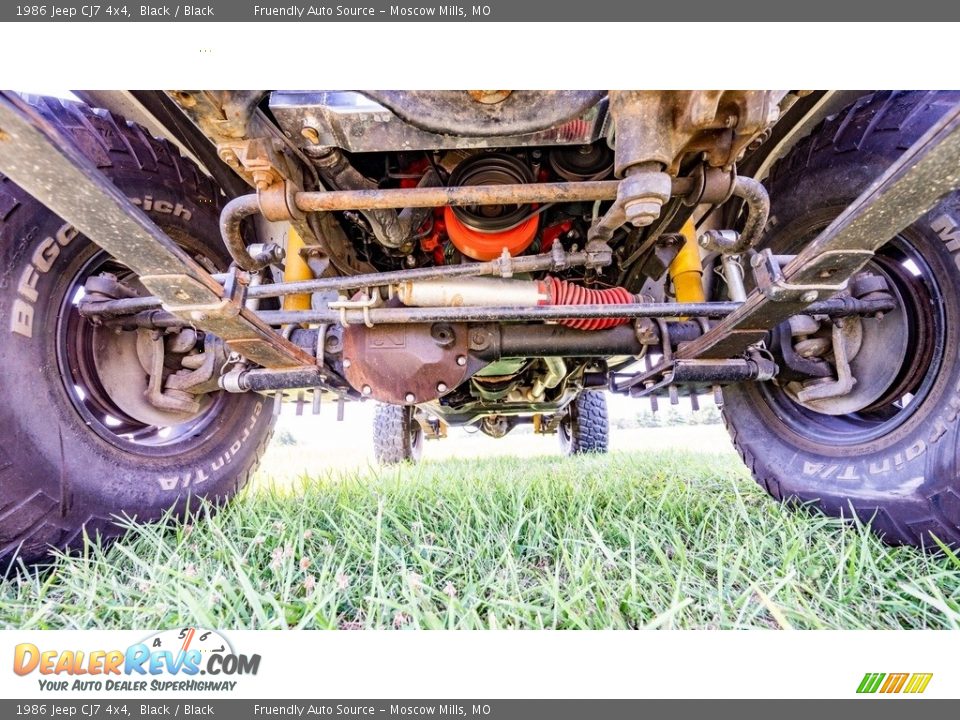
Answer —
894 463
69 465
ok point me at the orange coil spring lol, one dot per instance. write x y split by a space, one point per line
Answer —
562 292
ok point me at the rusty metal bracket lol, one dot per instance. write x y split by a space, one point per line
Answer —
43 161
772 283
245 139
257 158
198 307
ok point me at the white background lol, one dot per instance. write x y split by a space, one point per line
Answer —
407 55
464 55
543 664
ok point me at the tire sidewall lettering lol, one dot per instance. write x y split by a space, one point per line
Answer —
199 474
44 256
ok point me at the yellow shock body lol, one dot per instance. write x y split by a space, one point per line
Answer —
295 269
686 270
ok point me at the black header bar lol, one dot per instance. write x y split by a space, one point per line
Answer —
741 11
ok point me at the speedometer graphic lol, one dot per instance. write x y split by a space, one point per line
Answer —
181 640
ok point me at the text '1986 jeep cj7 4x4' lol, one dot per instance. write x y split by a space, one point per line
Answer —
175 262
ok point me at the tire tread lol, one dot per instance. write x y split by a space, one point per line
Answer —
590 429
391 435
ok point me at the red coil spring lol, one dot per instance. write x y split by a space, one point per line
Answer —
562 292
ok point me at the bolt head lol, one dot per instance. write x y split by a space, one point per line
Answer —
366 390
347 363
641 213
441 387
461 360
809 296
409 397
262 179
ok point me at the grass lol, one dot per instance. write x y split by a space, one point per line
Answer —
630 540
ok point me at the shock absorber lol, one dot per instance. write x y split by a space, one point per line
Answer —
493 292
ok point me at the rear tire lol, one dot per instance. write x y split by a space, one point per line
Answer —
397 436
70 463
585 427
893 463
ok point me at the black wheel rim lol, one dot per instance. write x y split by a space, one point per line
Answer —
85 391
904 266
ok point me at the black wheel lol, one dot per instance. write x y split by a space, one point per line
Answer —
584 427
81 446
887 450
397 436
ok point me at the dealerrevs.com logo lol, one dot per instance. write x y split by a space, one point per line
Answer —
893 683
170 660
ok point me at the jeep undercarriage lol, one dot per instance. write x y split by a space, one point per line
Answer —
485 258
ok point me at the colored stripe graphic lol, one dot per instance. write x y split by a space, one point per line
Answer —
893 683
870 682
918 682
